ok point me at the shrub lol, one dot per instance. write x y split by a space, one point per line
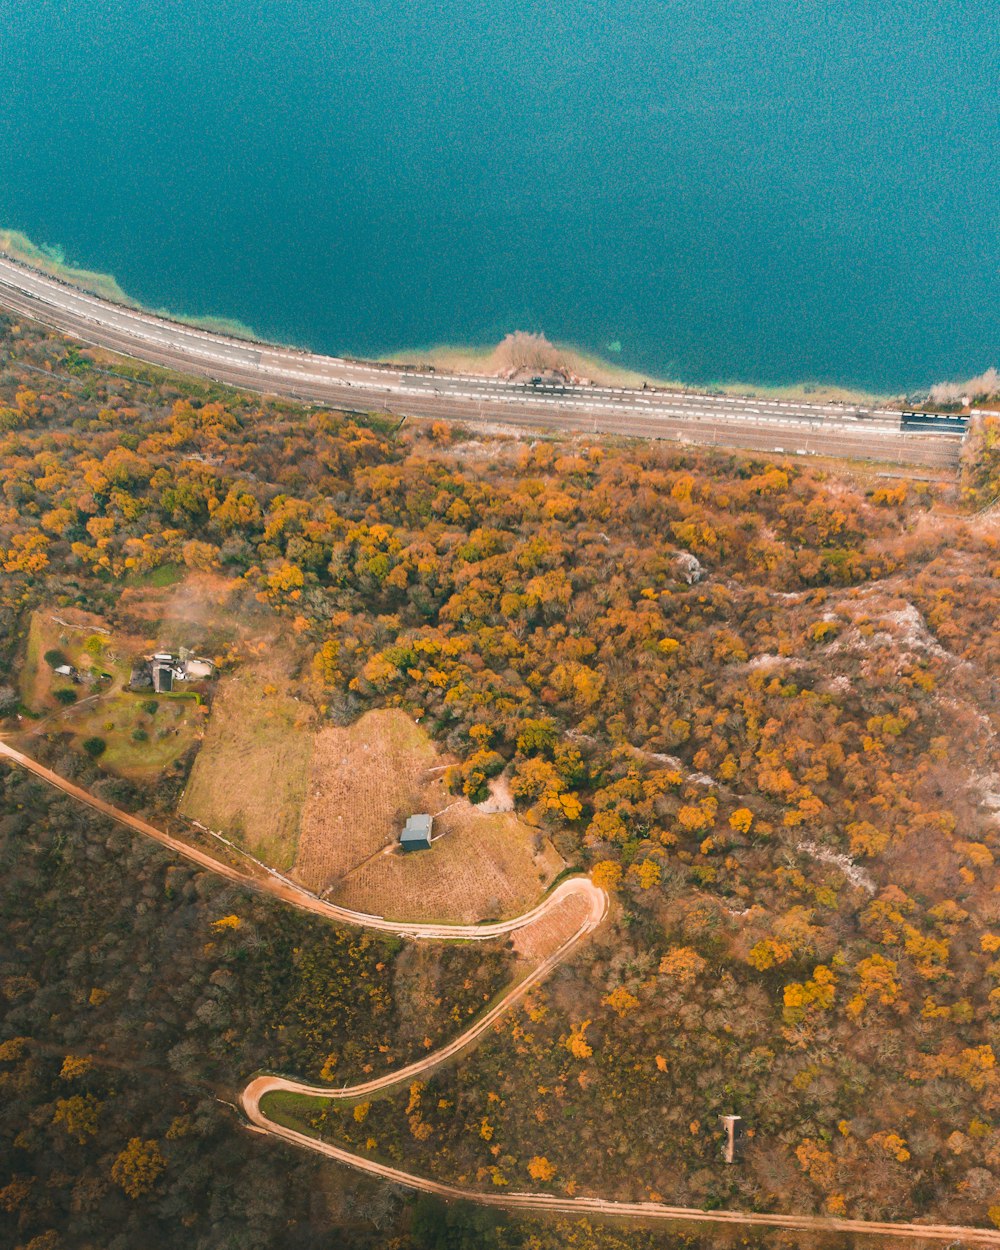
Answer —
95 747
66 695
55 658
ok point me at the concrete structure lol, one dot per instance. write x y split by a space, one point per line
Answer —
198 670
734 1135
416 835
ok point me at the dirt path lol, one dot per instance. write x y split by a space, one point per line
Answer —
297 896
646 1212
251 1096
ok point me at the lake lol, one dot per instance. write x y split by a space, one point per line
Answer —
761 190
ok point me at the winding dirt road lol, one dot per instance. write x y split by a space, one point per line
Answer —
596 901
955 1234
288 891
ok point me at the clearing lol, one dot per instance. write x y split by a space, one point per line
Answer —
364 782
250 778
208 612
82 640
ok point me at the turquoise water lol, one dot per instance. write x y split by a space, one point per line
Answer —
764 190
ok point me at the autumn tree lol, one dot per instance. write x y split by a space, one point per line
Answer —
137 1166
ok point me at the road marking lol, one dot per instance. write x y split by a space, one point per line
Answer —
127 330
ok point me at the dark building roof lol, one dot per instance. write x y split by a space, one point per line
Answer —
416 831
163 678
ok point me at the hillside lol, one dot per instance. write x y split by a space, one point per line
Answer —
756 699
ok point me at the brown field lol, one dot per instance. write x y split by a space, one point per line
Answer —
364 781
204 611
250 778
482 868
539 939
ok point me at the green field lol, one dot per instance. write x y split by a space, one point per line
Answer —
140 743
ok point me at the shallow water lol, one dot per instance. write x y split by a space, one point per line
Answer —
765 190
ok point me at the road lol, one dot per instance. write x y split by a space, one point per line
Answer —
776 426
288 891
594 911
955 1235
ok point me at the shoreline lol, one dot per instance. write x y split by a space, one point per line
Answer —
52 261
501 359
490 361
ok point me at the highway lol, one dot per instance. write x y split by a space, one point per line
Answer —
776 426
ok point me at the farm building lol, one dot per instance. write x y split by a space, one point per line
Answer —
416 835
163 678
164 668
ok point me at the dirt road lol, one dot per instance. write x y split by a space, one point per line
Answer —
297 896
646 1212
597 903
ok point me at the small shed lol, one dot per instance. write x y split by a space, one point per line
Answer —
416 835
66 670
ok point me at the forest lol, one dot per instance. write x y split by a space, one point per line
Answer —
756 699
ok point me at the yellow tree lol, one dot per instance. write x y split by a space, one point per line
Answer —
540 1169
137 1166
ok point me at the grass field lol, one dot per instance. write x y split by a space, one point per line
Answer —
293 1110
162 575
169 731
250 777
364 781
69 631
